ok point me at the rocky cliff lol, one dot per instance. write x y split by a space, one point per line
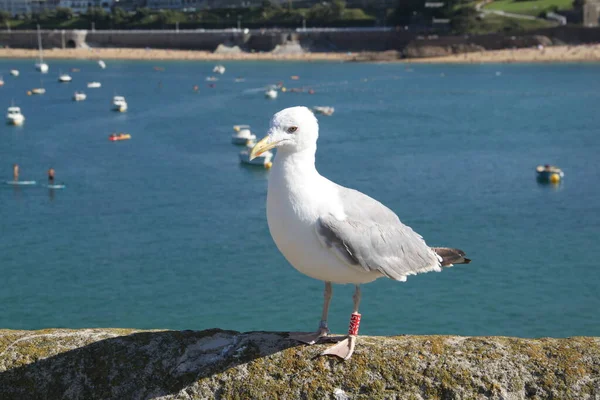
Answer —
128 364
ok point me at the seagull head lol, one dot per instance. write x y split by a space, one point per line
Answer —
293 129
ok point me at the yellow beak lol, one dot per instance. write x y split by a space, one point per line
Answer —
261 147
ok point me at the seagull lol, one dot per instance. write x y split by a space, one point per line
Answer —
333 233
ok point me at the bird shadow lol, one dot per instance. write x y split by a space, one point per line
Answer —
140 365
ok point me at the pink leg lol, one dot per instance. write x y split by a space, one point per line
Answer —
323 331
345 348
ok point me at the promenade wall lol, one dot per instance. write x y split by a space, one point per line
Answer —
322 40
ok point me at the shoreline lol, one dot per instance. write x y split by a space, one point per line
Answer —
553 54
578 53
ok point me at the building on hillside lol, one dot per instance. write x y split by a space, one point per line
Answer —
129 5
164 4
214 4
15 7
190 5
81 6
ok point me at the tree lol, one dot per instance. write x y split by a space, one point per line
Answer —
408 8
63 13
42 16
320 12
142 13
337 9
95 14
163 16
119 15
268 5
4 16
464 19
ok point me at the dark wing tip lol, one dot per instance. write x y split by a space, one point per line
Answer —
451 256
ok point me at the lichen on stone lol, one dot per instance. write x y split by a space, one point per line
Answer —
123 363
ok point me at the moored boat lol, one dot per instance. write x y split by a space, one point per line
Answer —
549 173
115 137
119 104
242 135
14 116
79 96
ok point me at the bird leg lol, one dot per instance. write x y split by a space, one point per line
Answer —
345 348
323 331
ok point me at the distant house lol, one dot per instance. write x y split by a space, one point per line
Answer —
81 6
15 7
197 4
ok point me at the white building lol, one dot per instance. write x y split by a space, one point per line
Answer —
15 7
81 6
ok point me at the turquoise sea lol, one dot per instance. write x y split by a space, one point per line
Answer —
168 230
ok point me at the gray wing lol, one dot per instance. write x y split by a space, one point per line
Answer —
373 238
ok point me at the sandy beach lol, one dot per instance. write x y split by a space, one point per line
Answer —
581 53
162 54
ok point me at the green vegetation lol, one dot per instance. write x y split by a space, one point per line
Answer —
461 13
467 20
534 7
267 15
499 24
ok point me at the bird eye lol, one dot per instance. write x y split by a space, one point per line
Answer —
292 129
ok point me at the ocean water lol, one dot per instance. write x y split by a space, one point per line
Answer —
168 230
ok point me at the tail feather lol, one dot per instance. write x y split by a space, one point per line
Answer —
451 256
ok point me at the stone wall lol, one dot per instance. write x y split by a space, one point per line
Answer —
127 364
188 40
326 40
50 39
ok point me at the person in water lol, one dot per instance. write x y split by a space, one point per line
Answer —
51 176
15 172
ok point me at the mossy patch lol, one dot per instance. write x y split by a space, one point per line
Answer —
231 365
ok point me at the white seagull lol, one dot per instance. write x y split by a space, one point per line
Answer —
332 233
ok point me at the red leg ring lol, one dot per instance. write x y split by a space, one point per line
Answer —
354 324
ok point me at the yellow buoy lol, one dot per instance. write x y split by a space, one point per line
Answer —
29 93
555 178
268 165
283 89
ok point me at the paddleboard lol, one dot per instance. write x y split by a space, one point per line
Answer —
55 186
20 182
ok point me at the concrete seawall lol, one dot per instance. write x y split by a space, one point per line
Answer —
323 40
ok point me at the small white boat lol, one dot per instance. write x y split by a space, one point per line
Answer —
1 81
39 90
264 160
64 78
14 72
212 78
14 116
79 96
119 104
41 66
219 69
323 110
242 135
271 94
94 85
102 64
